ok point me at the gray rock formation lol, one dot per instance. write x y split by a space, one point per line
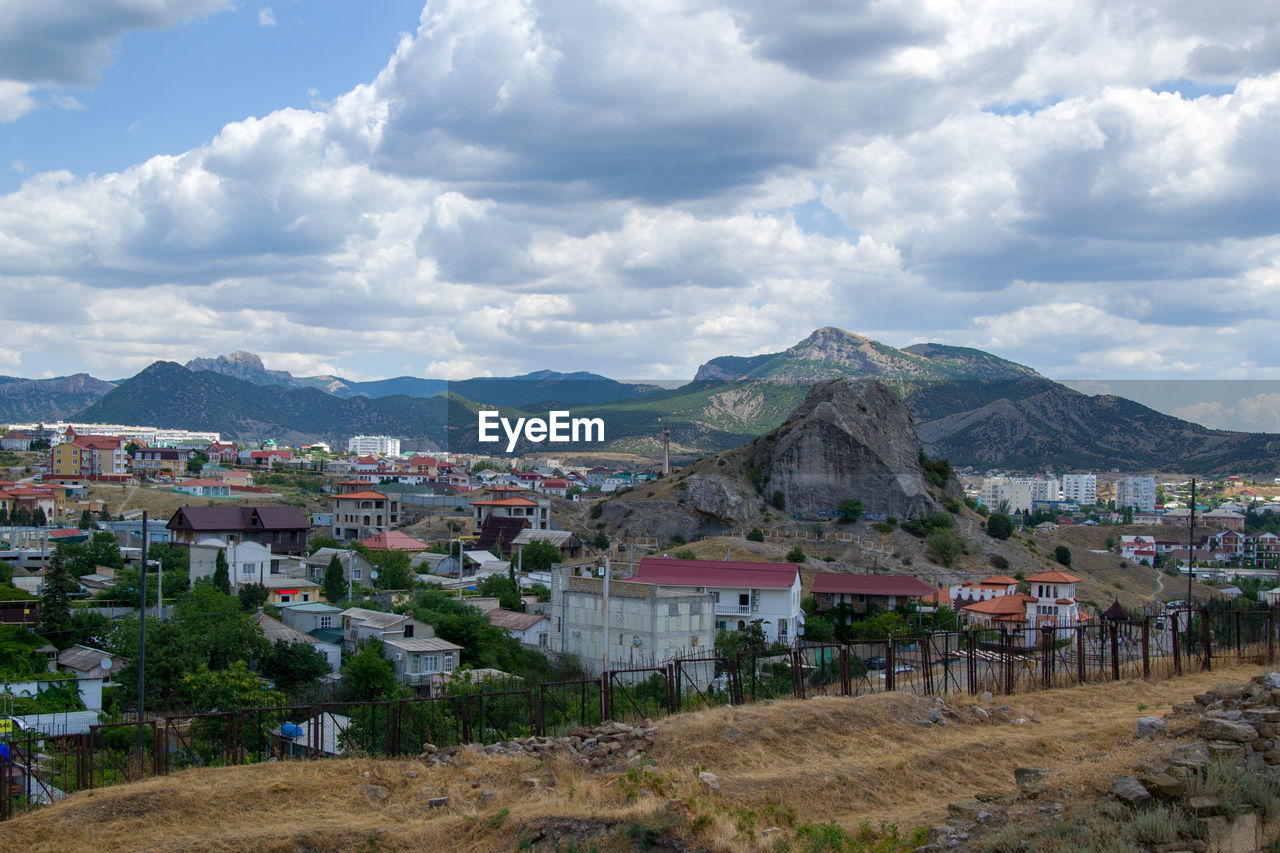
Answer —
850 438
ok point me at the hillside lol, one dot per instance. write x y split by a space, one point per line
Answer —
168 395
782 767
23 400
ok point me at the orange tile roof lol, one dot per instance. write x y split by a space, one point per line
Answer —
1053 577
1001 580
367 495
1002 605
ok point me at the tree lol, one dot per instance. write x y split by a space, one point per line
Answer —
1063 555
542 591
38 518
335 585
367 676
294 665
796 555
228 689
86 520
222 573
55 601
755 535
999 526
197 461
504 589
394 571
252 596
779 499
601 541
819 630
685 554
850 510
942 547
538 556
105 512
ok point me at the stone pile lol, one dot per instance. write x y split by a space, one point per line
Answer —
611 747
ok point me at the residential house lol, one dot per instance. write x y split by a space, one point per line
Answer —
394 540
151 461
531 629
355 566
203 488
858 595
1051 602
535 513
283 576
222 453
89 457
647 624
359 625
92 668
569 545
420 661
358 515
743 592
315 618
273 629
554 486
282 528
16 440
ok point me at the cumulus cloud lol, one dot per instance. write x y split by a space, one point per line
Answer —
636 189
58 43
266 18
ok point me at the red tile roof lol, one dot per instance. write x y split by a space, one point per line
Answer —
366 495
506 502
394 540
1001 605
1053 577
902 585
661 570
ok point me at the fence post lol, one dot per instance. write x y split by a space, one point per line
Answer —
1115 651
539 715
606 697
1046 657
971 662
846 675
889 664
926 663
797 672
1239 645
1207 637
1081 651
1177 658
1146 646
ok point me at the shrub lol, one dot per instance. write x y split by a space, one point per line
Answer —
1063 555
943 547
1000 526
796 555
998 562
779 499
756 535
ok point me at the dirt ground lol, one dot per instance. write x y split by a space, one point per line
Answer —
787 763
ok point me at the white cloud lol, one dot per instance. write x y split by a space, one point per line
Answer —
266 18
59 43
636 188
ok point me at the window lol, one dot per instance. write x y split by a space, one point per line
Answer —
744 599
415 664
782 627
285 599
306 596
431 663
248 569
324 622
673 609
695 608
355 574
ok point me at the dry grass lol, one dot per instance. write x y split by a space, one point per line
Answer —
811 761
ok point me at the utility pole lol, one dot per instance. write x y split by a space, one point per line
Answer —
142 633
604 632
1191 548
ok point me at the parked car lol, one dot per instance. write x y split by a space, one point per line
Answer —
900 667
876 663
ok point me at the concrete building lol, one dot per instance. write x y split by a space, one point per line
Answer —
646 625
1016 494
369 445
1080 488
359 515
1137 492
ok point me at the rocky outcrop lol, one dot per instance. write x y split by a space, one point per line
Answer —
714 498
850 438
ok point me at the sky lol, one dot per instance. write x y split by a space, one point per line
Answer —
492 187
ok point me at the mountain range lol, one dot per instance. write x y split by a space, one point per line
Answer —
970 406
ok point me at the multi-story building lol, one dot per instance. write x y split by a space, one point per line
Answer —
647 624
149 461
89 456
359 515
1016 494
1080 488
768 593
1136 492
281 528
370 445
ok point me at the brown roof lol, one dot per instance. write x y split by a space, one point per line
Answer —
1053 577
514 621
215 518
1001 605
903 585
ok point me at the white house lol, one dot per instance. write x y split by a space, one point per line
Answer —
247 562
531 629
743 592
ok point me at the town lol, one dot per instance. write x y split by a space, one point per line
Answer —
298 576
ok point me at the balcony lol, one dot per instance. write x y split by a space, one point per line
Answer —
733 609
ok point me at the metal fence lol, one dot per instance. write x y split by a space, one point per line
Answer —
41 769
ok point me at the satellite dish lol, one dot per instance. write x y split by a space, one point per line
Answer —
373 575
106 663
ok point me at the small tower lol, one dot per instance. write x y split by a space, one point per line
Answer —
666 450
